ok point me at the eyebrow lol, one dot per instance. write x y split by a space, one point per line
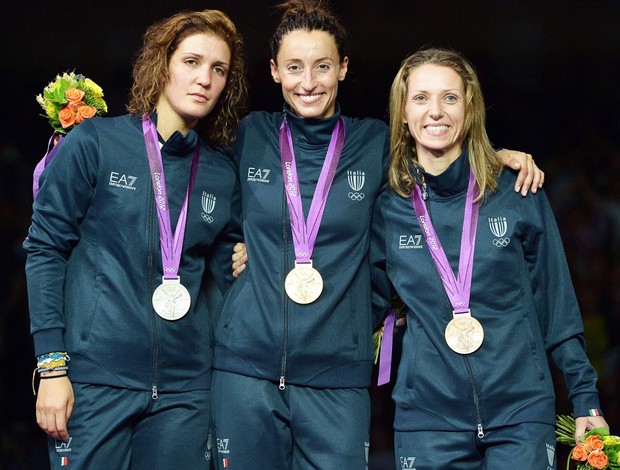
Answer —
200 56
320 59
444 90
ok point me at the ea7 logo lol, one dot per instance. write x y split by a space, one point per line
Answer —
63 446
258 174
407 463
120 180
409 242
222 445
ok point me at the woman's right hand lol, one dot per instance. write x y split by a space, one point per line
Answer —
239 259
55 402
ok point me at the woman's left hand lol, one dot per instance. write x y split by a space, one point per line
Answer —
530 177
585 423
239 259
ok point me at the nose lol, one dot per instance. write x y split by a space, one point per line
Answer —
308 79
204 77
436 109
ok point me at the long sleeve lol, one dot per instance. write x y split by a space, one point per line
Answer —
66 188
557 308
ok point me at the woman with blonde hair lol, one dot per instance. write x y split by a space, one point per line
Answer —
485 283
128 215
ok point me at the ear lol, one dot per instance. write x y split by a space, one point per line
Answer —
344 64
275 74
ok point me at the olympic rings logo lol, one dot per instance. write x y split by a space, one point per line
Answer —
356 196
501 242
169 270
207 218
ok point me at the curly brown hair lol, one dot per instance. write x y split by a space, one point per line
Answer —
150 71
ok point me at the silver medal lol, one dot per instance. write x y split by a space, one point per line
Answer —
171 300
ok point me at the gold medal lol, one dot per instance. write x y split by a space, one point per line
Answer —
303 284
171 300
464 334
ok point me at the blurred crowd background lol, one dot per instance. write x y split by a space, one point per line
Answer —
550 72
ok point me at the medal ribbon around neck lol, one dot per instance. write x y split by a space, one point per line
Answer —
171 246
305 233
457 289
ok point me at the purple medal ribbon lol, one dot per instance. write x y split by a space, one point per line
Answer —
304 234
385 350
457 289
171 246
47 158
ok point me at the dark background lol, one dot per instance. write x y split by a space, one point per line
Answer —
549 69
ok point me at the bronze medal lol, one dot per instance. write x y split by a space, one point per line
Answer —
171 300
303 284
464 334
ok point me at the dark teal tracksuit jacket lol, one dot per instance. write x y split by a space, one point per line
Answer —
94 257
262 333
521 293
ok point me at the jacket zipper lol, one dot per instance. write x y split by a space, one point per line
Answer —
470 374
476 398
282 385
154 375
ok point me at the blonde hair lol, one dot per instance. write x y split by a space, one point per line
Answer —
484 162
150 71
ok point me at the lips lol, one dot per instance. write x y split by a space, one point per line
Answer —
199 97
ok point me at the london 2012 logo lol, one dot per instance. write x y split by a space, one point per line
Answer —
356 180
208 204
499 227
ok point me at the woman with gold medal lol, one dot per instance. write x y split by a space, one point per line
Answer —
293 345
486 287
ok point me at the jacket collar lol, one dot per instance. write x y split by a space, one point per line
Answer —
311 131
453 180
178 144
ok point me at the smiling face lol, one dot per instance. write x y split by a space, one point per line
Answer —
198 70
435 115
309 68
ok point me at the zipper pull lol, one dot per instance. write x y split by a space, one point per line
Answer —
282 386
480 431
154 395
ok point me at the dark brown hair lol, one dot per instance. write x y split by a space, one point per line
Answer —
308 15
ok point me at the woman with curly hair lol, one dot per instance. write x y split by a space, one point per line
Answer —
130 216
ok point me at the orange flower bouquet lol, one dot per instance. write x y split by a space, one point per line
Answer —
69 99
598 450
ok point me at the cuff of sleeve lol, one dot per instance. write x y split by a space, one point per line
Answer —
586 404
46 341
